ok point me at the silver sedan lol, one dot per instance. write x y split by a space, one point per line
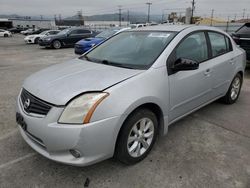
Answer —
117 98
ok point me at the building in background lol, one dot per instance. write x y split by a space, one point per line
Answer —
5 23
27 22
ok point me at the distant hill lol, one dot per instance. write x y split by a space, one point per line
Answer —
133 17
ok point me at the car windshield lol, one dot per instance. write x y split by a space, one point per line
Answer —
107 34
44 33
134 49
63 32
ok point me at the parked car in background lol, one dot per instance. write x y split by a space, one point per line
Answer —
33 39
242 38
67 37
4 33
26 32
119 96
16 30
86 44
133 26
37 31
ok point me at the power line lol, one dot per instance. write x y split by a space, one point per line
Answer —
149 4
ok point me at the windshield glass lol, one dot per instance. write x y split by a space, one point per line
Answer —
63 32
43 33
137 49
107 34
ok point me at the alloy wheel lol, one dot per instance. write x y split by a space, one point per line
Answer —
140 137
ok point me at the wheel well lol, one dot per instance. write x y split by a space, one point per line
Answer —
156 110
241 74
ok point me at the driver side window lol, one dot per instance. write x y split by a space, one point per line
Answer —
194 47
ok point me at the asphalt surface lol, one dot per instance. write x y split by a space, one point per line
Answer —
209 148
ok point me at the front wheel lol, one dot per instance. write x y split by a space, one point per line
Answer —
234 90
57 44
6 35
136 137
36 40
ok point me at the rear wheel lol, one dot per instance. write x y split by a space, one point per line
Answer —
56 44
234 90
136 137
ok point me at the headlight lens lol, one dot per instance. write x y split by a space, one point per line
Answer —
80 110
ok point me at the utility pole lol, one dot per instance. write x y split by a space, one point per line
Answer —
162 16
235 17
244 10
128 17
120 15
212 17
149 4
227 23
192 12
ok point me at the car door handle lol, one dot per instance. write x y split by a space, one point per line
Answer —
207 72
231 61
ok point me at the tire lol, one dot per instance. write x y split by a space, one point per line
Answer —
233 91
36 40
56 44
135 149
5 35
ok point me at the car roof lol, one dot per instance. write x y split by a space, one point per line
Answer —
176 28
164 27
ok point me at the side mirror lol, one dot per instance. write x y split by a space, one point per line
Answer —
183 64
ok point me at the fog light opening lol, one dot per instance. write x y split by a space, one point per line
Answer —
75 153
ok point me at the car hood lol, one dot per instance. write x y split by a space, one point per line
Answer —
89 41
60 83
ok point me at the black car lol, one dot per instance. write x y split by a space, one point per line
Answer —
242 38
67 37
16 30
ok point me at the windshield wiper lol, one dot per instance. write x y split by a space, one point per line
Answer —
106 62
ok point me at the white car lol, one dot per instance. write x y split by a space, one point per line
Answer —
33 39
4 33
25 32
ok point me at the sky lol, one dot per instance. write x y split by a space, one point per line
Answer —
48 8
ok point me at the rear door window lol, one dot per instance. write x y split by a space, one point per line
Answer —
218 44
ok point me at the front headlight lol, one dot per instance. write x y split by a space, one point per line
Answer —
80 109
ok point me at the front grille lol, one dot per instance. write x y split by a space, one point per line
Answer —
32 104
